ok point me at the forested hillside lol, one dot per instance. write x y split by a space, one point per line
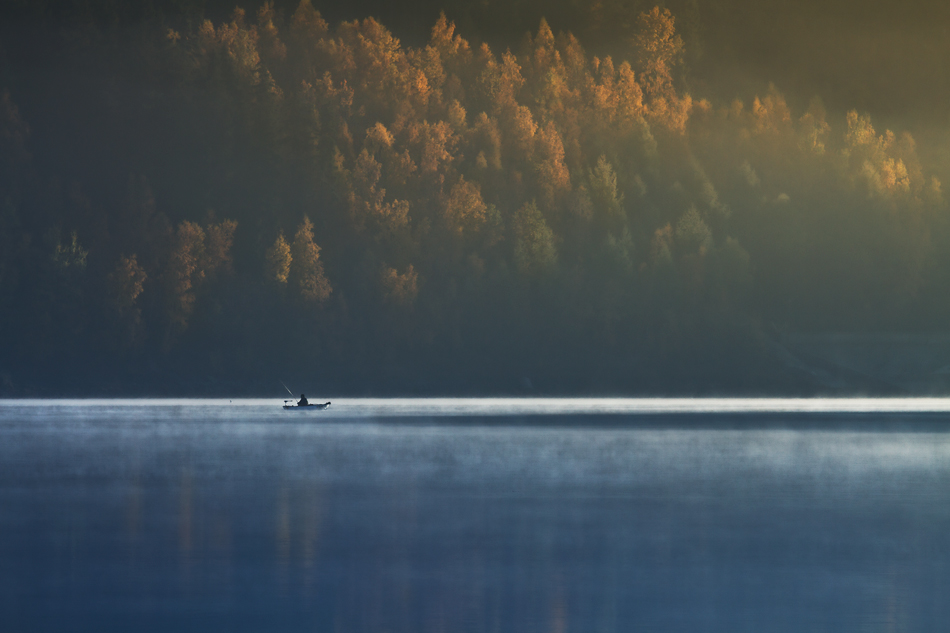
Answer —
192 205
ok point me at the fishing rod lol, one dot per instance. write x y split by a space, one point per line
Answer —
288 390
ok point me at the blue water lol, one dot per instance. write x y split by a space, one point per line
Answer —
475 515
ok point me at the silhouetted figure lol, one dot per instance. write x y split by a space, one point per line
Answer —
303 401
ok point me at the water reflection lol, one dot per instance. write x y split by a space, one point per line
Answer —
282 532
310 524
133 514
185 541
138 519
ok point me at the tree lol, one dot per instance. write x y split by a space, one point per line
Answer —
270 45
464 207
608 201
70 256
184 272
278 260
127 280
438 143
629 97
535 252
657 50
307 24
872 157
771 113
400 289
197 255
488 141
692 233
306 269
554 179
813 128
217 254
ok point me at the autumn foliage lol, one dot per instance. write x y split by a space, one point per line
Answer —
456 217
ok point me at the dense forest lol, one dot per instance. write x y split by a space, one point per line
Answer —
201 202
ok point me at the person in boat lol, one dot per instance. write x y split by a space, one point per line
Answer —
303 401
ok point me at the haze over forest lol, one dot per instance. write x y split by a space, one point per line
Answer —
469 197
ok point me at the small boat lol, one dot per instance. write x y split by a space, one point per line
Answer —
292 405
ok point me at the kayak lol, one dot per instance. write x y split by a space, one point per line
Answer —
307 407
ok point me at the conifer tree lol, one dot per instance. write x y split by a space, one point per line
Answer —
306 269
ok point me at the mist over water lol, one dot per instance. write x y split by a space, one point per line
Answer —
475 515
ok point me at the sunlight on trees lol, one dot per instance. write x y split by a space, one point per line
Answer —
306 270
657 49
498 174
183 272
279 260
464 208
197 255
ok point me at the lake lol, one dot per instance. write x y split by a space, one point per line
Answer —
506 515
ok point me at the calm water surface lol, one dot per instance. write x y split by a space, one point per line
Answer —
475 515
